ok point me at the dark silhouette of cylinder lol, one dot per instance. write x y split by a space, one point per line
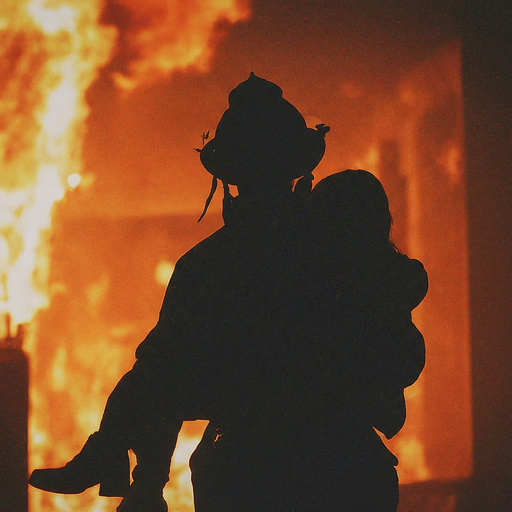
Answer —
13 430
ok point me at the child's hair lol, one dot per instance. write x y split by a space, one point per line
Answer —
352 207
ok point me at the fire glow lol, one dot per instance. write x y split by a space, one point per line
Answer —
50 57
52 52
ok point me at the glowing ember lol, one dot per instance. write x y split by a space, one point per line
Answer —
163 272
51 52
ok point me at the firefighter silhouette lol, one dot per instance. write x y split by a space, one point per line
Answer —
259 334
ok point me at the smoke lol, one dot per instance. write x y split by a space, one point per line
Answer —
158 37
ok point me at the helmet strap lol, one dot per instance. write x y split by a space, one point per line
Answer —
303 188
209 198
228 204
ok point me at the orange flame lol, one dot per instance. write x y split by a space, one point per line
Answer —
51 52
50 55
165 36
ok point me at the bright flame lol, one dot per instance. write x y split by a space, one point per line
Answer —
163 272
51 52
50 55
74 180
178 493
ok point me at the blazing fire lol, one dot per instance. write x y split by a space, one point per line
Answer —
51 52
49 58
166 36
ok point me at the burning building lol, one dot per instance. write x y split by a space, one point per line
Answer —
101 105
